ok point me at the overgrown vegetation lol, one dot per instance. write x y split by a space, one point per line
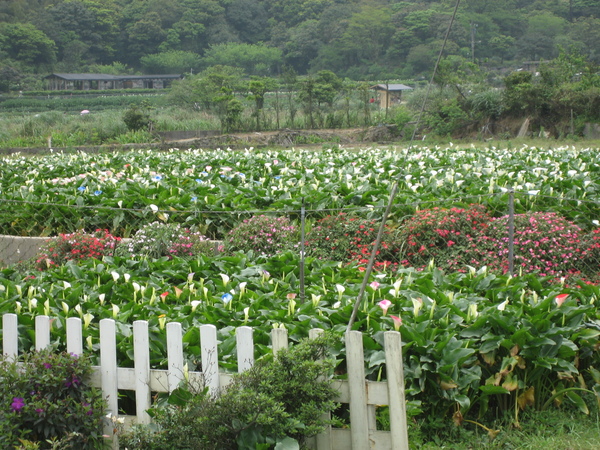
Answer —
47 402
280 401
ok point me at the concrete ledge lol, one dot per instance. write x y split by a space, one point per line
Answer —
19 248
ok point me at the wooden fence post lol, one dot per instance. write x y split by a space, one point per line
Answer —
10 336
42 332
141 355
245 348
359 417
279 339
74 336
210 358
174 355
395 379
108 372
322 440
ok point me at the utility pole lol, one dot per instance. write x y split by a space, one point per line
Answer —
473 33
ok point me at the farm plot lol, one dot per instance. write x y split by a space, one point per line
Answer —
476 341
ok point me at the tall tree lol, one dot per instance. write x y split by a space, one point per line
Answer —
24 43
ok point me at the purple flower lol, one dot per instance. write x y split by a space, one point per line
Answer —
73 381
17 404
48 365
40 411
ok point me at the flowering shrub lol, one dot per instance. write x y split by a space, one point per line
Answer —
47 398
346 238
76 246
444 235
158 239
264 235
191 243
544 243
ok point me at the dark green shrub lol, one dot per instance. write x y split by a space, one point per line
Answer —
280 400
137 118
48 398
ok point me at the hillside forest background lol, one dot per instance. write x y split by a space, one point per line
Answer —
324 54
358 39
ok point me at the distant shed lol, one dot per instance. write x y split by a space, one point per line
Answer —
390 94
101 81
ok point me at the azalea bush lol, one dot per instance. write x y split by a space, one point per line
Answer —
264 235
442 235
159 239
346 238
47 402
544 243
76 246
190 244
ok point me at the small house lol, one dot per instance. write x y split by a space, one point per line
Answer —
101 81
390 94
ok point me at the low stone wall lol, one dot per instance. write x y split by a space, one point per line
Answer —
18 248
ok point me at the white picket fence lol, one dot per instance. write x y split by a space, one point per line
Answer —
362 395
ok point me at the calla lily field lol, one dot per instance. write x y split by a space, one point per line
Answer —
476 342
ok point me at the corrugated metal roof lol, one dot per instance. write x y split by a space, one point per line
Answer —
105 77
391 87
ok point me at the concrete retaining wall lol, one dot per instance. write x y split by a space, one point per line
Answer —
17 248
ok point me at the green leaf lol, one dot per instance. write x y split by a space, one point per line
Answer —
287 443
578 401
489 389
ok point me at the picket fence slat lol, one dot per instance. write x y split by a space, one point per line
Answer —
245 345
10 341
395 375
279 339
175 355
210 363
108 372
42 332
141 364
355 360
74 336
362 395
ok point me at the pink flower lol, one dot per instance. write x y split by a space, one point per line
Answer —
384 305
164 295
560 299
374 285
397 322
291 296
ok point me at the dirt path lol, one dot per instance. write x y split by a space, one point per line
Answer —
295 137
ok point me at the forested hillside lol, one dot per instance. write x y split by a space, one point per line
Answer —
358 39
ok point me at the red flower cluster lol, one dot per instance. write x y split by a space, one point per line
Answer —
346 238
76 246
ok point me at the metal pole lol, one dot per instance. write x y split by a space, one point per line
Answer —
302 235
511 232
372 259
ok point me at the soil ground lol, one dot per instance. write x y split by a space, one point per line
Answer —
287 137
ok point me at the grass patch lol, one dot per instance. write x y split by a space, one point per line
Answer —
554 429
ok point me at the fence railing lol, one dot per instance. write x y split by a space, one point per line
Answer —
362 395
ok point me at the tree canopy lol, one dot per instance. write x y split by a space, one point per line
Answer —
357 39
